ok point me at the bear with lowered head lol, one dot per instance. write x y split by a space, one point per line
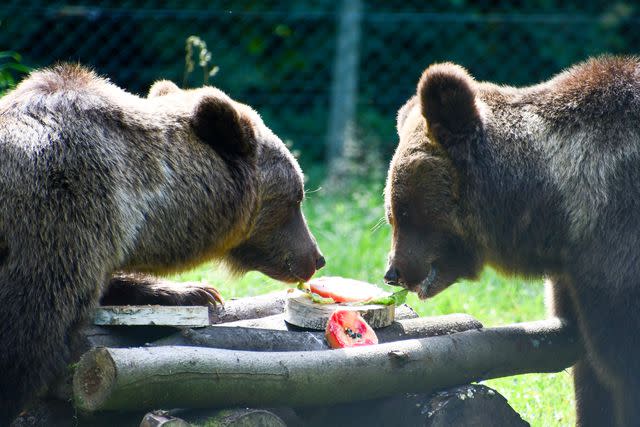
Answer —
535 181
99 186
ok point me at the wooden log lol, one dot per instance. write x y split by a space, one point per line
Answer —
420 327
467 405
136 315
249 308
120 336
239 310
100 336
233 417
243 418
472 404
300 311
255 339
128 379
162 419
248 339
277 321
191 316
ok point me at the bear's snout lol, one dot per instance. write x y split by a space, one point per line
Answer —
320 262
306 266
392 276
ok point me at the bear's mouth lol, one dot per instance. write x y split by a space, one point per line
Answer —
425 285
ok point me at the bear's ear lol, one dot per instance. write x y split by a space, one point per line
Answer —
161 88
219 124
448 100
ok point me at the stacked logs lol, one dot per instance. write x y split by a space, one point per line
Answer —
250 357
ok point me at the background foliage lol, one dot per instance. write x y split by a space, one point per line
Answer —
277 55
10 70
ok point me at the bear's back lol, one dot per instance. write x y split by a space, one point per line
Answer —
67 142
67 114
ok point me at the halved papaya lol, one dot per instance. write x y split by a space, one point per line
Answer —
346 328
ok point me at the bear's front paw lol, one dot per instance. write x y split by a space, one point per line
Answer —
135 289
197 294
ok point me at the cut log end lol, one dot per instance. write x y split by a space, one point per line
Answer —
94 378
302 312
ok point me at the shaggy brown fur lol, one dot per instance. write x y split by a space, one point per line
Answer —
94 180
537 181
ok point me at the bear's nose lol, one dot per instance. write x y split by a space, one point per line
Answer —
320 262
391 276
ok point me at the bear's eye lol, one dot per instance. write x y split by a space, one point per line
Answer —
295 203
402 217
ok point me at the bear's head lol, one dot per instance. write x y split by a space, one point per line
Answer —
276 240
430 249
280 244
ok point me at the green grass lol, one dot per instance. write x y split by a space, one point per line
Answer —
355 239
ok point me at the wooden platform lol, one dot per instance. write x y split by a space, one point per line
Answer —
137 315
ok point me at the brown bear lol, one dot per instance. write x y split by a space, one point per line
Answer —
95 181
535 181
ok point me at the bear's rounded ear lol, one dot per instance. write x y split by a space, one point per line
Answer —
161 88
221 126
448 100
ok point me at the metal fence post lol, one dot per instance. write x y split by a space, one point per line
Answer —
344 87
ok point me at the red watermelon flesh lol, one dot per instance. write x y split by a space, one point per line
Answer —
341 289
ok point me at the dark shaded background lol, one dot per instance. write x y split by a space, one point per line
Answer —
278 55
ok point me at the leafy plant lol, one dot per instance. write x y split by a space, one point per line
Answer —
204 58
10 69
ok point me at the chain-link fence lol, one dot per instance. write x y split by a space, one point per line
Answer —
280 56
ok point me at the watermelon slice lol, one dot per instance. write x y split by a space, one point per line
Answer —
341 289
346 328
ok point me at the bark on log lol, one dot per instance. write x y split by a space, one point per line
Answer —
162 419
470 405
136 336
254 339
119 336
243 418
234 417
463 406
127 379
248 308
155 315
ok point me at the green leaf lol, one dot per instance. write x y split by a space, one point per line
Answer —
304 287
320 300
396 298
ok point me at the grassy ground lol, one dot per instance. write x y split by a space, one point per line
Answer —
355 239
